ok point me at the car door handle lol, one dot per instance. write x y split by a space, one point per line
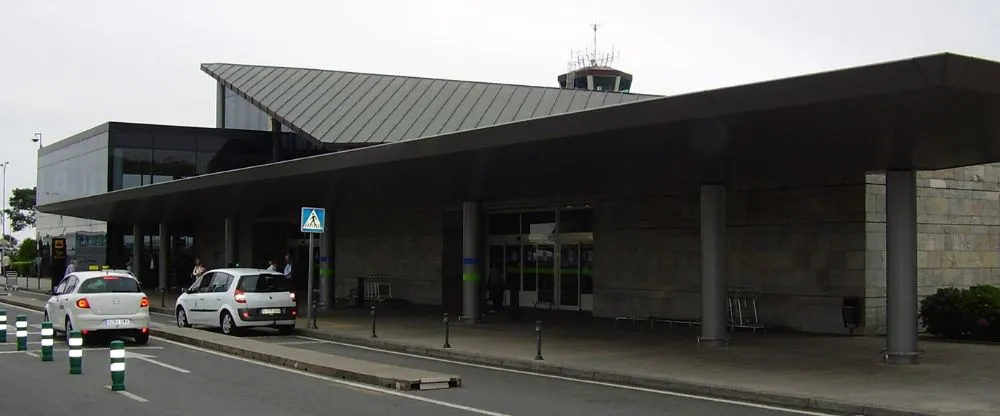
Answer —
218 298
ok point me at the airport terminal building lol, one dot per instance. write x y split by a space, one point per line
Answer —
866 187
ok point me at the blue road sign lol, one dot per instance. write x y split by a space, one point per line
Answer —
313 220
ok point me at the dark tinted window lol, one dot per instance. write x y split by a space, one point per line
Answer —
110 284
265 283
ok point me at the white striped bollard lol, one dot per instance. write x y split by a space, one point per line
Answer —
3 326
47 333
117 365
75 352
21 331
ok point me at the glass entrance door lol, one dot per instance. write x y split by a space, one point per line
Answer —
569 276
545 273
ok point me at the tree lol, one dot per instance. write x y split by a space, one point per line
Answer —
21 213
28 250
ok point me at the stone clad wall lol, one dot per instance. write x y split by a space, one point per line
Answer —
803 248
958 241
403 244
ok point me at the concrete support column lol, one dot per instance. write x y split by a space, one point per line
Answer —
471 263
713 266
275 140
220 106
326 268
163 262
901 267
231 241
137 245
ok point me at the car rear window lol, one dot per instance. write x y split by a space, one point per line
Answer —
110 284
265 283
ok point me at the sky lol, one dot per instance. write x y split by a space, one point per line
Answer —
69 65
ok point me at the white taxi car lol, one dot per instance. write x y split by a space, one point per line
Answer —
100 302
236 298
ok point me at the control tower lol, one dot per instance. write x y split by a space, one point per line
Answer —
591 70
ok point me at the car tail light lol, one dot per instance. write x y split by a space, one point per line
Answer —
82 303
240 296
145 330
144 303
294 312
292 295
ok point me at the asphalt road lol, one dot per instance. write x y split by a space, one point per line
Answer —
224 385
170 379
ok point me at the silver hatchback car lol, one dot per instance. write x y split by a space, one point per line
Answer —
236 298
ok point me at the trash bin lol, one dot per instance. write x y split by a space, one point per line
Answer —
850 311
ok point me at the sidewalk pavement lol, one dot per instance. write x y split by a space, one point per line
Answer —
829 373
818 372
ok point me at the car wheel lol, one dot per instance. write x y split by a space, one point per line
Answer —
142 338
182 319
227 324
286 329
69 329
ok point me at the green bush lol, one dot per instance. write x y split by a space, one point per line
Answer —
963 313
23 268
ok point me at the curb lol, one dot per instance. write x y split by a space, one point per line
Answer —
672 385
333 372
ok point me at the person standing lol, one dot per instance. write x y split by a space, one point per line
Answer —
197 271
272 266
288 267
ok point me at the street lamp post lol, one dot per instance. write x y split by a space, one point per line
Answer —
38 139
3 214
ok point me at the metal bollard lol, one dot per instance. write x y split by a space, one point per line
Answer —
75 352
163 297
117 365
21 327
373 322
538 340
447 332
47 333
3 326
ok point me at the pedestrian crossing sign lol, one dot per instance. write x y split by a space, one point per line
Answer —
313 220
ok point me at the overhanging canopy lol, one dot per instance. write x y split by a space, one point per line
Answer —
930 112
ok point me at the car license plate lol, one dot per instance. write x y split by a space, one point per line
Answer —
117 322
270 311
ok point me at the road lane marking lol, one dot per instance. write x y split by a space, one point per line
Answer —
591 382
130 395
295 343
29 353
85 349
345 382
150 359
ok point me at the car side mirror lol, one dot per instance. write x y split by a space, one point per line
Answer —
184 290
52 292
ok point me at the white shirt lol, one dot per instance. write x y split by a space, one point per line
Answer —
271 268
288 270
70 268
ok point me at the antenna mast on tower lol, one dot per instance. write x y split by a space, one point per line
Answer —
592 69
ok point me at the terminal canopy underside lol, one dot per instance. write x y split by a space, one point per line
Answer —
928 113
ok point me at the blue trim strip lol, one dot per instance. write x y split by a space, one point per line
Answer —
470 261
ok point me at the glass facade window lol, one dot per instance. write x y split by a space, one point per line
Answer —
604 83
144 155
75 169
576 221
505 223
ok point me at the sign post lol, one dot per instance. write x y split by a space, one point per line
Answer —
313 221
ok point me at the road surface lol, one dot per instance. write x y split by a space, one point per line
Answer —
175 378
